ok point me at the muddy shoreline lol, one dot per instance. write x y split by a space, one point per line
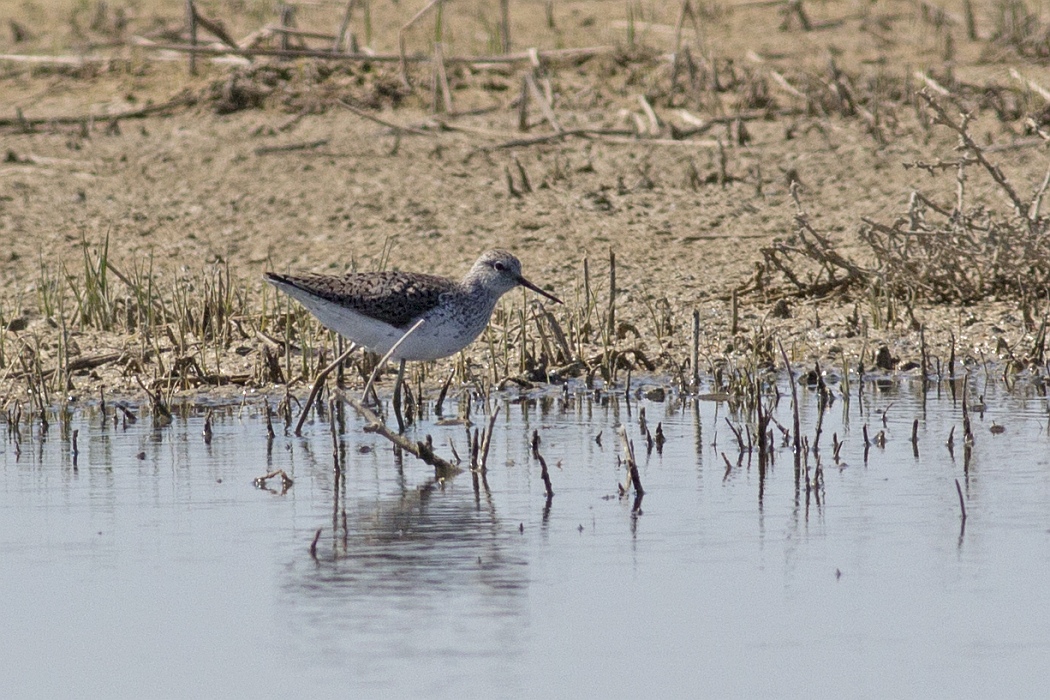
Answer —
173 217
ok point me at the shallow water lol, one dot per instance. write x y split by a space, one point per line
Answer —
157 568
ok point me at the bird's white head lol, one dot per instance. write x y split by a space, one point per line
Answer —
499 271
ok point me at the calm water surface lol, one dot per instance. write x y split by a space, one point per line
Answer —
156 568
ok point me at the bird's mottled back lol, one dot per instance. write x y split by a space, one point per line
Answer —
391 297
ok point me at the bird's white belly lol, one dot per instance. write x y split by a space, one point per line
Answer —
440 334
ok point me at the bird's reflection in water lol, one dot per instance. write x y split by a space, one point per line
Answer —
441 536
424 574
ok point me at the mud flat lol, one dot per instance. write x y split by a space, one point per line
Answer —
784 171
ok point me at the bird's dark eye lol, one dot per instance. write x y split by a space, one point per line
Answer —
498 266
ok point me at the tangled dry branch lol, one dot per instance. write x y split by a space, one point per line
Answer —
961 252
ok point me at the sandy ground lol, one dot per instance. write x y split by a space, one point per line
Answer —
192 190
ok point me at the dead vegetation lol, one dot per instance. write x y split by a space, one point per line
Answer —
641 90
940 252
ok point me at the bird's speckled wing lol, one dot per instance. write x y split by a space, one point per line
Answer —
391 297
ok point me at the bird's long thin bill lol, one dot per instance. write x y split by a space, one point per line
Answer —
525 283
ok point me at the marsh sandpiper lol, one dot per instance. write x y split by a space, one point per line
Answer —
377 309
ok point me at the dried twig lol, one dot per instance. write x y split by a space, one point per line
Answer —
286 481
1030 84
421 450
214 26
382 122
290 147
941 117
541 99
181 100
544 473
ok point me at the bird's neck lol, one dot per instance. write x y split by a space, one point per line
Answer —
482 303
472 285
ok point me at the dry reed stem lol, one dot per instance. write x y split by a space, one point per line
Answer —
633 478
933 84
486 440
695 351
105 62
398 387
1030 84
795 9
686 11
541 100
650 114
547 56
441 79
402 55
313 544
344 25
334 433
295 33
544 473
318 383
795 420
504 11
191 27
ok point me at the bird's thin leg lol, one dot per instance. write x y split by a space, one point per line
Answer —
390 352
397 397
340 340
318 383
